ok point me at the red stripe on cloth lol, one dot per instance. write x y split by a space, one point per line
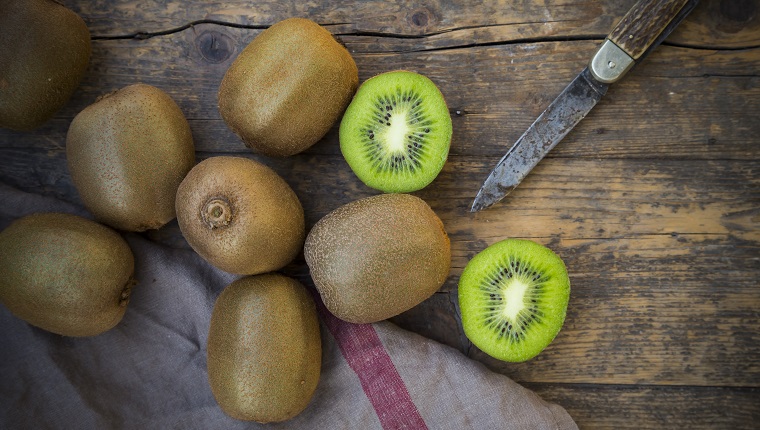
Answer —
383 386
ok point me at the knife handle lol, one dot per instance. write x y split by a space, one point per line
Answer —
642 25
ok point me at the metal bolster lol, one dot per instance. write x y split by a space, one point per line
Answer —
610 63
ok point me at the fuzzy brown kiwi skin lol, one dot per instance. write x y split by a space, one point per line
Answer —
65 274
127 154
240 215
377 257
287 88
264 348
45 51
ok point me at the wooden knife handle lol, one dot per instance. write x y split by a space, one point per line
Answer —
642 25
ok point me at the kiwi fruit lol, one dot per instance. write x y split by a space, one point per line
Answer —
376 257
65 274
287 88
44 56
264 351
240 215
127 154
396 133
513 297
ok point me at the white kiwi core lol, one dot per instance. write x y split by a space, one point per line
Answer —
514 294
396 135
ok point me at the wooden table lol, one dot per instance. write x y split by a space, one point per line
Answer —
653 200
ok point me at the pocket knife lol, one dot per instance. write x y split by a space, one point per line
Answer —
642 29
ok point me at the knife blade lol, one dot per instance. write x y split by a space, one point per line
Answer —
642 29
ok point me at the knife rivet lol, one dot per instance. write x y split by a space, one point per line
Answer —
611 64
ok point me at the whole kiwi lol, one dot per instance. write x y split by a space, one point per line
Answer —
264 349
240 215
376 257
287 87
45 53
127 154
65 274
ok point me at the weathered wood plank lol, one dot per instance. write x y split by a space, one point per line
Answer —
494 93
441 24
630 407
657 310
636 317
561 198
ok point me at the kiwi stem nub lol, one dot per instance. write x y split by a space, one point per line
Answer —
126 292
217 212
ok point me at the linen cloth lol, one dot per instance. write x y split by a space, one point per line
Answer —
149 372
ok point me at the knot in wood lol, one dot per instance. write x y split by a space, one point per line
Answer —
215 47
419 19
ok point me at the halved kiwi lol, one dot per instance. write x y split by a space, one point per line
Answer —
513 297
396 133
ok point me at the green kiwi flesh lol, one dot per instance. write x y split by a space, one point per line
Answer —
44 54
287 88
127 154
513 297
264 349
240 215
376 257
65 274
396 133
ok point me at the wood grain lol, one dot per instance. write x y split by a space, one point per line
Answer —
653 200
716 23
655 110
643 407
